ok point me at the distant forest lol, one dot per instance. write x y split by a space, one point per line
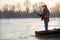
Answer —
54 12
25 14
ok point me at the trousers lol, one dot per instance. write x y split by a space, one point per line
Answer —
46 24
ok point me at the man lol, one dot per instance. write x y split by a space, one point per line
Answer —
45 16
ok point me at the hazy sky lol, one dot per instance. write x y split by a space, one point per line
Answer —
49 3
32 1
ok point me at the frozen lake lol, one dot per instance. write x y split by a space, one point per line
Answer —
23 29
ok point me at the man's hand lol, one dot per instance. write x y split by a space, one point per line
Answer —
38 14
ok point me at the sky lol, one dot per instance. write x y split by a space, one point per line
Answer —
32 1
49 3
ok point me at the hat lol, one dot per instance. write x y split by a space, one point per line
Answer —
44 5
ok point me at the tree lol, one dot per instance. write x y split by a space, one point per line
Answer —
58 8
5 7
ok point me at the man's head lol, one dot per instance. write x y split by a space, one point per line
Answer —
44 6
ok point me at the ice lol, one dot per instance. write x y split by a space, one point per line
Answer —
13 29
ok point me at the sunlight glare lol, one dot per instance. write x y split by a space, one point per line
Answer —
49 3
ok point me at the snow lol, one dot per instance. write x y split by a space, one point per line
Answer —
14 29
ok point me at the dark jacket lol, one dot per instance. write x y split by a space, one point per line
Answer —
45 14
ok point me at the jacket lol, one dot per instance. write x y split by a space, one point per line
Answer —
45 14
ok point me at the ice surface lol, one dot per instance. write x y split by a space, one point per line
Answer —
21 29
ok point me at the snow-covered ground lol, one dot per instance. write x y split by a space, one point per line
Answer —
20 29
